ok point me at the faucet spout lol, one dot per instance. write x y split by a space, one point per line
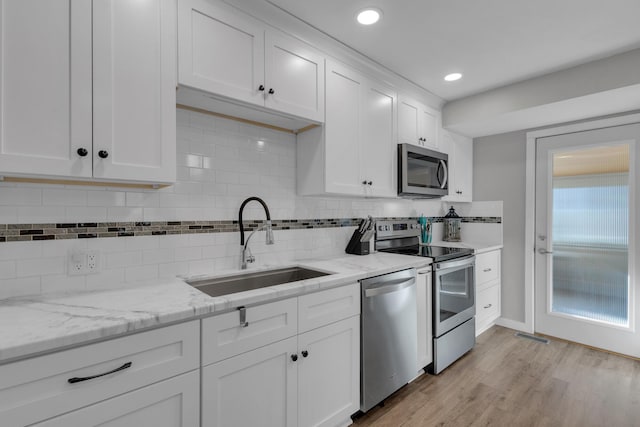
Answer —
267 226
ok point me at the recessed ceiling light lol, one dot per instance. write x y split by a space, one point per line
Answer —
369 16
453 77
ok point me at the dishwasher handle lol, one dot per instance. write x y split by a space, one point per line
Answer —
389 286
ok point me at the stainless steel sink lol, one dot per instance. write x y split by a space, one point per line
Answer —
225 285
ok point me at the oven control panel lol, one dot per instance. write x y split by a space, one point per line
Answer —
390 229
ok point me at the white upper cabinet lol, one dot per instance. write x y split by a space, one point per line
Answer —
226 53
354 153
88 89
45 78
134 97
418 124
460 149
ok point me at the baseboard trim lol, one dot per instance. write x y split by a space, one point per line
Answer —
513 324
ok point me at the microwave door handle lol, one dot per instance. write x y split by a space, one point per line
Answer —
442 164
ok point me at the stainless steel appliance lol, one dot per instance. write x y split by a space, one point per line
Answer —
388 335
422 173
453 288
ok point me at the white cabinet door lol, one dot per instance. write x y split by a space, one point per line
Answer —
45 92
220 51
343 131
377 151
294 76
425 319
257 388
170 403
418 124
329 374
460 150
134 90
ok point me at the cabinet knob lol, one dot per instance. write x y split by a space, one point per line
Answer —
305 353
458 192
261 88
103 154
370 183
294 357
82 152
271 91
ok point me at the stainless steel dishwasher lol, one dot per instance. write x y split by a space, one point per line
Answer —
389 332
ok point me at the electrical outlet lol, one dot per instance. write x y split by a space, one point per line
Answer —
83 262
93 261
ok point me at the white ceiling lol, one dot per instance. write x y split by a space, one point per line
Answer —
492 42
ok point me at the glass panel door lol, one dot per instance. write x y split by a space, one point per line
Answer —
590 233
587 204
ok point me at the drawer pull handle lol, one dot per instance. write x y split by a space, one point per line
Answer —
486 270
488 306
80 379
243 317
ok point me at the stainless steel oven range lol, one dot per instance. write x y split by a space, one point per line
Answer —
453 288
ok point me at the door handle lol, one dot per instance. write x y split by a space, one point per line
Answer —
543 251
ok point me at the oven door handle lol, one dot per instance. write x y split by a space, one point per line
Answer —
445 265
390 286
459 294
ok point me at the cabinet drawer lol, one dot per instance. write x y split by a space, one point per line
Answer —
39 388
223 336
321 308
487 267
488 308
170 403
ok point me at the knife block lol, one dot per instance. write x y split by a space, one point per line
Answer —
355 246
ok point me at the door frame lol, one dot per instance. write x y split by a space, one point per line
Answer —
530 203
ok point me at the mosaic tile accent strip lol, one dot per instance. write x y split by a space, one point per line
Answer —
94 230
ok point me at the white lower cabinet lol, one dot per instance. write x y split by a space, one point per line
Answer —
329 373
488 289
309 379
257 388
170 403
45 387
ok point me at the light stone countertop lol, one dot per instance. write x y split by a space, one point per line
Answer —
45 323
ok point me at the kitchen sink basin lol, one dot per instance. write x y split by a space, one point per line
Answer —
217 286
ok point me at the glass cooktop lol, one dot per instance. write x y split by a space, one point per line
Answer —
437 253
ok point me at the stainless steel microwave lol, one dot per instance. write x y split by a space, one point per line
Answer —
422 173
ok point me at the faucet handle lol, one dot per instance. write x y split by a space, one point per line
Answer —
250 259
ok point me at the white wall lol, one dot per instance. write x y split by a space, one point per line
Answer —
220 163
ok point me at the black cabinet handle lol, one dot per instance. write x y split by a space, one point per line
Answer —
294 357
80 379
261 88
488 306
370 183
103 154
305 353
82 152
271 91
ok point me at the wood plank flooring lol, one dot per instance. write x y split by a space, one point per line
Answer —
513 381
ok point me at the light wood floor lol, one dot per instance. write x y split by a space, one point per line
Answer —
511 381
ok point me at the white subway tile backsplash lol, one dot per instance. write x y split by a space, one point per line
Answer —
41 214
59 197
20 287
220 163
20 196
123 259
41 266
136 274
106 198
7 269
